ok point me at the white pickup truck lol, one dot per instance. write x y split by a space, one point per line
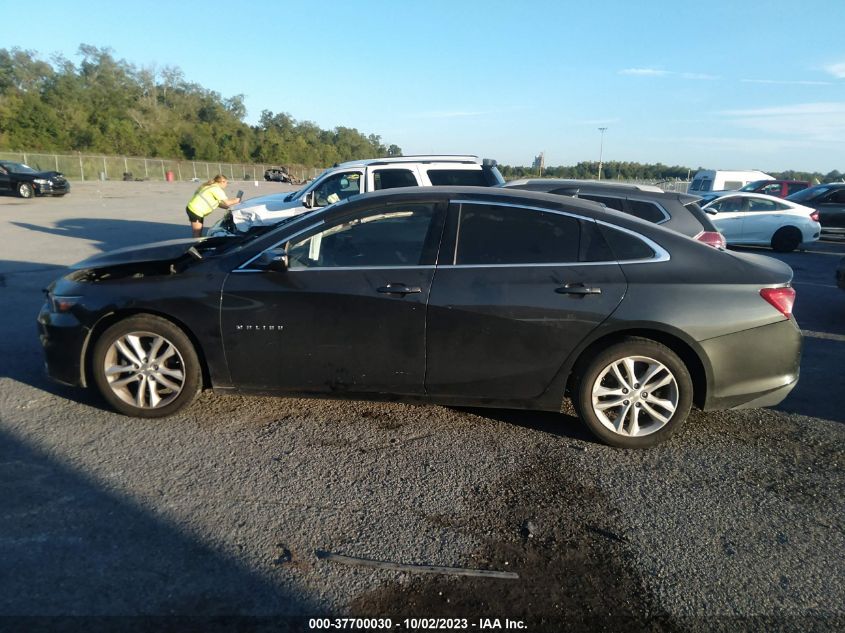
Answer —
351 178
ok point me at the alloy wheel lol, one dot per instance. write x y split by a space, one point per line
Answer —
635 396
144 370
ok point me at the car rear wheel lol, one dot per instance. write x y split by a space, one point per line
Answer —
786 239
146 367
634 394
25 190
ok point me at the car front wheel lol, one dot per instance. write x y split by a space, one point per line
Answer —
146 367
25 190
634 394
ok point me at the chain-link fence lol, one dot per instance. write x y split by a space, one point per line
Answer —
92 167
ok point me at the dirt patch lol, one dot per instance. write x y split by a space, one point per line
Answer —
559 537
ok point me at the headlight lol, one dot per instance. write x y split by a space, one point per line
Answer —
62 304
41 181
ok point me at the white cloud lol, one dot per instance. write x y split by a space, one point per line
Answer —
837 70
656 72
786 82
816 122
644 72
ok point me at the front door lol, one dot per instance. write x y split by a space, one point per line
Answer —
730 212
348 314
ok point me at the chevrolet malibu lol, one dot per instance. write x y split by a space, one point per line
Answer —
449 295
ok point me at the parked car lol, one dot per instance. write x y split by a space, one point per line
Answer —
28 182
755 218
676 211
359 176
707 180
276 174
452 295
778 188
829 201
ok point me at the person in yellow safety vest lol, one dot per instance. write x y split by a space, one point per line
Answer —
206 199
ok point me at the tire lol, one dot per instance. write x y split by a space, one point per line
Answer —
647 418
25 190
786 239
146 367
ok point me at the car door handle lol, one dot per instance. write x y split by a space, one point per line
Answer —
577 289
399 289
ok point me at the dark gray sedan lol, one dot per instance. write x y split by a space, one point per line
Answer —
450 295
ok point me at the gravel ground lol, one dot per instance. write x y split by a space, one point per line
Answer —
736 524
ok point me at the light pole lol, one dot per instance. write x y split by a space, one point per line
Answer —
601 147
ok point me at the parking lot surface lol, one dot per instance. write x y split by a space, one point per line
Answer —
223 514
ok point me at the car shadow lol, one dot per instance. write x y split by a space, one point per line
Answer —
111 234
72 547
561 425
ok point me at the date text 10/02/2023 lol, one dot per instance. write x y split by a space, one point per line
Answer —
416 624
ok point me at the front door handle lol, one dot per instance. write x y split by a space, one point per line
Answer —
577 289
399 289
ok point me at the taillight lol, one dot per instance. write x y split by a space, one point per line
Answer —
781 298
712 238
814 216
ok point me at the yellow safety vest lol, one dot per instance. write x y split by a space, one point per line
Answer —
206 200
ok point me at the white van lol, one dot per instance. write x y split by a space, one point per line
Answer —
720 180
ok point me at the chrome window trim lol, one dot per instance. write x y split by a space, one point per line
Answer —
660 253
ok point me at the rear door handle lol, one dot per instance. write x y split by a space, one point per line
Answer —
399 289
577 289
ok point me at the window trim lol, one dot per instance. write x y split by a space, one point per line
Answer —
660 253
243 267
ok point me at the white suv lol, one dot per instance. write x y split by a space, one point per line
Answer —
360 176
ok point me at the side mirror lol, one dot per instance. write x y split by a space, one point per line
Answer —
275 260
309 200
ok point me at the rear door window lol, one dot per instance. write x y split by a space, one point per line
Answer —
392 178
609 201
499 234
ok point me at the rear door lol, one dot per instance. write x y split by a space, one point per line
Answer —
511 300
762 219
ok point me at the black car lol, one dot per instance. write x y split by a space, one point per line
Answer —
452 295
677 211
829 201
27 182
840 274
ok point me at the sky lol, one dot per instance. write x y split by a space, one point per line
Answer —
720 84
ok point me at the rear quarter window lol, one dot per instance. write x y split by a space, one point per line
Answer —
626 247
648 211
457 177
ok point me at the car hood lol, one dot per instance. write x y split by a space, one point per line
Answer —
45 175
266 210
169 250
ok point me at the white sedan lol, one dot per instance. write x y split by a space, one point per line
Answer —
755 218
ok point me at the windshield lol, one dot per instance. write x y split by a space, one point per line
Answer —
807 194
19 168
751 186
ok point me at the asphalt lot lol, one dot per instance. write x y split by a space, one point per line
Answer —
213 518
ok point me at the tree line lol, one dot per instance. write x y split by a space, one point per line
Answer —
618 170
109 106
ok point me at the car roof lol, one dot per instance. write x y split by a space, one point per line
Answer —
608 187
421 158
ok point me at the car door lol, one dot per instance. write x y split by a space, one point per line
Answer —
5 179
510 300
729 216
762 219
832 211
347 314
